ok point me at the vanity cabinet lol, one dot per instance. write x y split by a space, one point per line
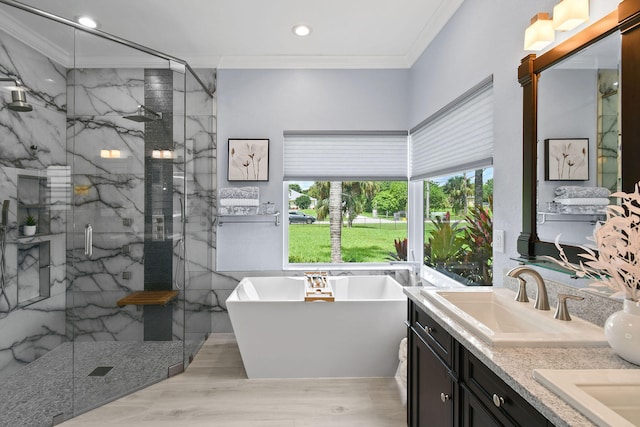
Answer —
432 387
449 386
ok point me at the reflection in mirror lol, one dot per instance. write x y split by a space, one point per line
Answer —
578 141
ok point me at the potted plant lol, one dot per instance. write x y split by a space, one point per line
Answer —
30 225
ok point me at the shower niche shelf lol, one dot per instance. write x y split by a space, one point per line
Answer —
33 200
250 219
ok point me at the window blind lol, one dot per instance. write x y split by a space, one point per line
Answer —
458 137
345 156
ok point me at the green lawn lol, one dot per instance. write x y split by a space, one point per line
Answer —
361 243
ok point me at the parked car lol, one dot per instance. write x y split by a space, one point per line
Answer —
298 217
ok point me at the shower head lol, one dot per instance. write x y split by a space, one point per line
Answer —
143 115
19 101
18 96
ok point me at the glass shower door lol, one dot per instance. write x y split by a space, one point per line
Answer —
124 310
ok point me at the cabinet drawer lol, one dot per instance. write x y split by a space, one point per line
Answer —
433 334
496 395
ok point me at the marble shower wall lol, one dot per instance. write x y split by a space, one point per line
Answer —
108 193
32 144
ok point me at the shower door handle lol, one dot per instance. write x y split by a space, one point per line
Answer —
88 240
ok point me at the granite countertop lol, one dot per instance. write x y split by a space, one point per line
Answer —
515 365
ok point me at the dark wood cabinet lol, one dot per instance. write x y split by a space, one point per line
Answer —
432 389
449 386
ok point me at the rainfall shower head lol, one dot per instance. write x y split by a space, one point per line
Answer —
144 114
18 97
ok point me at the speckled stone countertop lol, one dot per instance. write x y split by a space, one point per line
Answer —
515 365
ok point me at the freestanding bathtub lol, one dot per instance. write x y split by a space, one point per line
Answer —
282 336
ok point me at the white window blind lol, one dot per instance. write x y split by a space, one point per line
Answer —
458 137
345 156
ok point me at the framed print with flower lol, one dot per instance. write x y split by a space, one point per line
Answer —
248 160
566 159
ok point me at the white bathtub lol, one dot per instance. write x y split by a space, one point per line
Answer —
281 336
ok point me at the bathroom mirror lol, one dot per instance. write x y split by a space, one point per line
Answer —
578 140
547 82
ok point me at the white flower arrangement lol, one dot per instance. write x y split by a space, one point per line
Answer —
616 265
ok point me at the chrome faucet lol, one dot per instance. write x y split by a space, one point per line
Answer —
542 300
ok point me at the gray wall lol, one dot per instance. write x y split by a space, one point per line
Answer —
263 104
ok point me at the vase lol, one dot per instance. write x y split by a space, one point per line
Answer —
29 230
622 330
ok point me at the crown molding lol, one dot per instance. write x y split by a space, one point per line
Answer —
32 39
311 62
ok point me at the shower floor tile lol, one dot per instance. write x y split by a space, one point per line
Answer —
43 389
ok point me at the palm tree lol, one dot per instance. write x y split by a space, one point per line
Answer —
458 188
354 197
335 220
478 188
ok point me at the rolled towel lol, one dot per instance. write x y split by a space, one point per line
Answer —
595 201
240 193
573 191
402 351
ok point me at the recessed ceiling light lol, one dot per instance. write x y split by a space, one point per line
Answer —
87 22
302 30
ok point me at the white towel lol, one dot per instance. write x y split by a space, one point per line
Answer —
402 351
240 193
573 191
582 201
239 202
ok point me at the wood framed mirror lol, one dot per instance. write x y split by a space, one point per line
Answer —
626 21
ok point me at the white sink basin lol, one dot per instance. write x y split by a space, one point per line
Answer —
608 397
494 315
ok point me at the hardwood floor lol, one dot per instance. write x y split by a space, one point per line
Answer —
215 391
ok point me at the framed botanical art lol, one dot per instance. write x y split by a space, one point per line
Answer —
248 159
566 159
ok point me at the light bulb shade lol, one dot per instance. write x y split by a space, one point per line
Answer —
540 33
568 14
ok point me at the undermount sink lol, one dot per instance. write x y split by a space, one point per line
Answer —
608 397
494 315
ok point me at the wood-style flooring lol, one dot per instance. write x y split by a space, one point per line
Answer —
215 391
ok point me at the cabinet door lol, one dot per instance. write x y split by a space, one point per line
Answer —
432 389
474 413
504 403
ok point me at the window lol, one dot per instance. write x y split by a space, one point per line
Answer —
458 186
458 225
347 195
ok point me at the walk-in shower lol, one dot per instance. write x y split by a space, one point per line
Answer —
86 320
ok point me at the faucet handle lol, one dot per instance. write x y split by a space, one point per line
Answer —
562 312
521 296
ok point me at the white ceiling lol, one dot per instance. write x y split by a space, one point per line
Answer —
258 33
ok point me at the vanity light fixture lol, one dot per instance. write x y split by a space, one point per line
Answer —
87 22
568 14
301 30
540 33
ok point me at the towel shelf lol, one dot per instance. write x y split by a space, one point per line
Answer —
148 298
274 218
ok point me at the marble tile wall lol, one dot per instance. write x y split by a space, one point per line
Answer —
30 144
